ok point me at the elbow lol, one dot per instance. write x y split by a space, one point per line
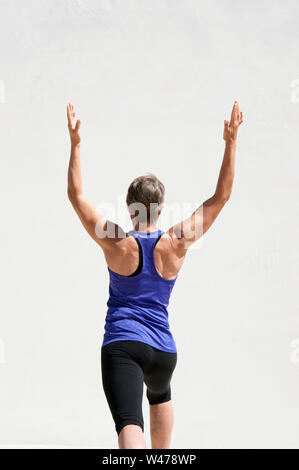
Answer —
223 198
74 196
226 197
70 194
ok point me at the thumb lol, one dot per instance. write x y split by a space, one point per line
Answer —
226 124
78 124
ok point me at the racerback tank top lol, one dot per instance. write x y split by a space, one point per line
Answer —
137 304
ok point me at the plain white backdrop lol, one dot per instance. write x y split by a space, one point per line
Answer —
152 81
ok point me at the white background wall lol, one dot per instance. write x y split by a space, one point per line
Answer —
152 82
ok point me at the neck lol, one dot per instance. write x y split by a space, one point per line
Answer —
145 227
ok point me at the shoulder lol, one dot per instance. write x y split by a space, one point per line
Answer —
169 256
171 244
122 255
120 245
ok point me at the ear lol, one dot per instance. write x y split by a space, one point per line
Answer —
128 207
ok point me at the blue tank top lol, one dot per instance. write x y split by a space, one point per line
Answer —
137 304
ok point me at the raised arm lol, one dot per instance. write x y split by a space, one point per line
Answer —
104 232
191 229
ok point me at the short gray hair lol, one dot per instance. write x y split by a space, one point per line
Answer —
149 192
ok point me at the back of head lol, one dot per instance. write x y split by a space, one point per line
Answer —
145 198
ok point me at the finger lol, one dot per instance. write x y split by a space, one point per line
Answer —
226 125
238 111
78 124
69 116
235 112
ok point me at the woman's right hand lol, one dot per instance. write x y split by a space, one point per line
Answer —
72 126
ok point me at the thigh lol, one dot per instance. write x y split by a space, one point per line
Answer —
158 375
122 379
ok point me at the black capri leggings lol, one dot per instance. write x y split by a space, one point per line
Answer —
125 366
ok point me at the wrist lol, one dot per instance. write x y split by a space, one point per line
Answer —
231 143
75 145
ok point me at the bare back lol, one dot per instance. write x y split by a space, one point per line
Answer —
168 256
